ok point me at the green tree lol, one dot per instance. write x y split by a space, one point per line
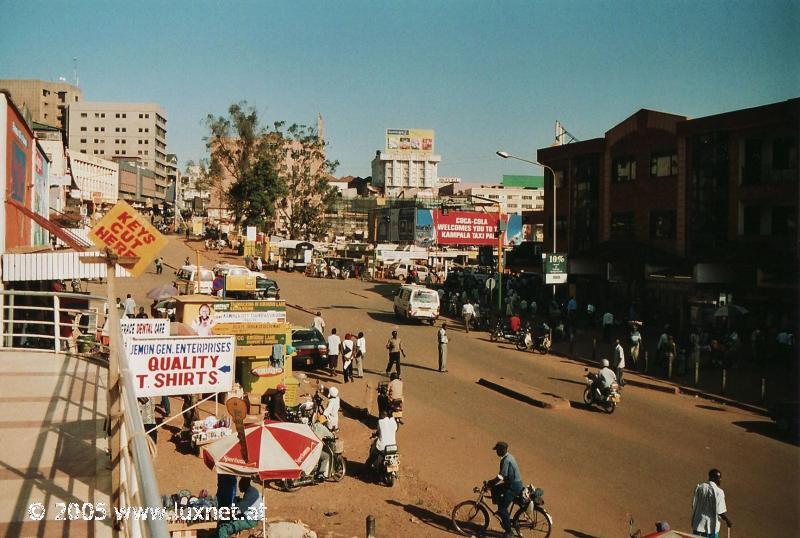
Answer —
243 150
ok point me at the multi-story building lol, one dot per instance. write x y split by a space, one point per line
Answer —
408 165
97 179
193 198
122 132
671 213
509 199
140 186
48 102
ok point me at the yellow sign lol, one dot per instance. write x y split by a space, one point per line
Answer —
128 234
409 140
240 282
197 227
249 248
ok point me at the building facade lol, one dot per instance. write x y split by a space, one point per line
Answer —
48 102
97 179
121 131
140 186
412 174
510 199
676 214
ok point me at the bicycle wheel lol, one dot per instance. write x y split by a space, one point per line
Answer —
538 524
470 518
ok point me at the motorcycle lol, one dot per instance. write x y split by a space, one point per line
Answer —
606 399
527 342
503 331
387 465
335 470
307 411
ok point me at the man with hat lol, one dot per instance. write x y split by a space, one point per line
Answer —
277 404
506 486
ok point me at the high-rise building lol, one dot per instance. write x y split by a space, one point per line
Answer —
407 166
121 132
47 102
508 199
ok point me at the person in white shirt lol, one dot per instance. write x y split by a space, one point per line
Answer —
708 506
467 312
606 376
334 347
130 306
331 412
361 352
348 348
385 435
319 323
442 340
619 362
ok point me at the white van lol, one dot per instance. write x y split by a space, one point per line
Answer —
400 270
188 274
416 302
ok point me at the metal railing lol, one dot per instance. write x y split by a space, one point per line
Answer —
67 323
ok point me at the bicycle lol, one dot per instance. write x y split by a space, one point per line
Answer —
471 518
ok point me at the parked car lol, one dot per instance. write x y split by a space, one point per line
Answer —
400 270
186 275
226 269
312 349
416 302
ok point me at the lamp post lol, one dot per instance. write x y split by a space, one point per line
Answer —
506 155
500 268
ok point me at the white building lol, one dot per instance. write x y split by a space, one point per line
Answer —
51 140
510 199
95 177
414 174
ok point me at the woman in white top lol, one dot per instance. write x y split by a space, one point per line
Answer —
331 412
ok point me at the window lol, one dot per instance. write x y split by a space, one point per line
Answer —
784 220
664 164
662 224
140 152
146 141
147 130
83 128
139 142
751 220
45 93
62 96
141 116
140 129
784 153
124 129
147 115
102 114
96 140
123 152
96 129
83 140
622 225
146 152
623 169
124 115
103 129
84 115
116 152
96 114
527 197
117 116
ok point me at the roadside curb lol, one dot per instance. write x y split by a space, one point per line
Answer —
526 393
672 388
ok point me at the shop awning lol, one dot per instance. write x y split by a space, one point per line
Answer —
71 240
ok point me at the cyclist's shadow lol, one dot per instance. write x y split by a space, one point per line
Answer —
438 521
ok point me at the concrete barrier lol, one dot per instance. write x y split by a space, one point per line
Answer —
525 393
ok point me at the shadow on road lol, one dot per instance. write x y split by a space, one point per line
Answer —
360 414
411 365
387 290
710 407
438 521
583 406
768 429
385 317
567 380
579 534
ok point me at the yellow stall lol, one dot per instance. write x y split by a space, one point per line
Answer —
262 333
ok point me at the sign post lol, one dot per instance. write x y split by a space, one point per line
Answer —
555 268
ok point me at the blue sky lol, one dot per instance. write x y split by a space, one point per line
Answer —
484 75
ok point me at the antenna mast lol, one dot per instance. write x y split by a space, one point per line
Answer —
75 71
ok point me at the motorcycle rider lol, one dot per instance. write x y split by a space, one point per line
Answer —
514 323
277 405
385 435
331 412
506 486
322 433
605 377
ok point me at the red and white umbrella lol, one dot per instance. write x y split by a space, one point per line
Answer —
275 450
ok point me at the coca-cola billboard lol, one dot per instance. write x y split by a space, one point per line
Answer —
467 228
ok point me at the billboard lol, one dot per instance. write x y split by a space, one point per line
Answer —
18 173
409 140
470 228
41 194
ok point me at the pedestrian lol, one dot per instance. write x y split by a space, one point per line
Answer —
708 506
120 307
636 341
130 306
148 412
187 261
467 312
319 323
608 324
159 265
142 314
361 353
259 264
619 362
671 351
442 340
395 347
348 348
334 346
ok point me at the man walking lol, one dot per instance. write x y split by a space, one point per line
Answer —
319 323
361 352
442 340
159 265
130 306
619 362
636 341
334 346
708 506
395 347
467 312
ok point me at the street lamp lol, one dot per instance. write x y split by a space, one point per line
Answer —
506 155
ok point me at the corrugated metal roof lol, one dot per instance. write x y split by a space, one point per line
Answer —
57 265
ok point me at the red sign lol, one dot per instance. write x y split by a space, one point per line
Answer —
465 228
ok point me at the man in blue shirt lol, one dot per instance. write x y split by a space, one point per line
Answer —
246 511
506 486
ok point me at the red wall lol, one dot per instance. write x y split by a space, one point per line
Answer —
19 179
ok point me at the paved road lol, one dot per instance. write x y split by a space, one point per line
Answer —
596 469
